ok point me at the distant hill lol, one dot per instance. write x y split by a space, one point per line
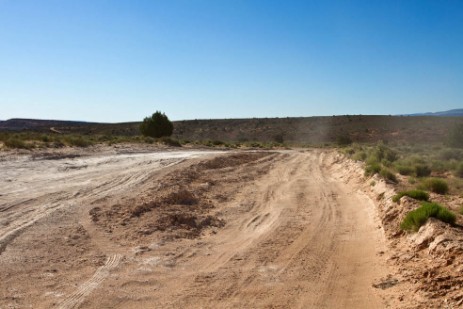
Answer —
449 113
18 124
301 130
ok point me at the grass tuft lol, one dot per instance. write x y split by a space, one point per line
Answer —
418 217
415 194
372 168
405 170
422 170
388 175
435 185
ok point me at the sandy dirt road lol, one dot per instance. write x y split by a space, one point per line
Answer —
294 235
31 190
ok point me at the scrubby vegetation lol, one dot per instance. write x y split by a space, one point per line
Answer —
416 218
31 140
15 142
415 194
435 185
405 170
455 138
34 140
438 169
388 175
378 159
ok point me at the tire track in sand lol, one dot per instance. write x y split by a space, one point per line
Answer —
32 190
75 299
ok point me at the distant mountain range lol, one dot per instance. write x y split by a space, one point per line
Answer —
18 124
450 113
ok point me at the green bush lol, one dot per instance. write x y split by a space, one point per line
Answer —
405 170
436 185
373 168
359 156
388 175
416 218
158 125
382 152
415 194
422 170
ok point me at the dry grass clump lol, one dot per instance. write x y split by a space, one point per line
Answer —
181 197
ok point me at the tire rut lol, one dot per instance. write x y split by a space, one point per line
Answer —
75 299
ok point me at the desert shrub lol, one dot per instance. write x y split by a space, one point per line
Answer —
435 185
148 140
58 143
372 159
388 175
15 142
416 218
459 170
359 156
217 143
78 141
443 166
349 151
383 153
45 138
405 170
256 145
373 168
461 210
386 163
422 170
415 194
170 142
158 125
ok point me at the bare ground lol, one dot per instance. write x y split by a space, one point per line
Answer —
194 230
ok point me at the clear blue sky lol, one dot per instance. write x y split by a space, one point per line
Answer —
115 61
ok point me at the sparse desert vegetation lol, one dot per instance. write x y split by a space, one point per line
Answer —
415 194
416 218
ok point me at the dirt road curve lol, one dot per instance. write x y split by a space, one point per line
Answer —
294 236
31 190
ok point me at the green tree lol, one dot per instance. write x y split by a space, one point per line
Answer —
158 125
